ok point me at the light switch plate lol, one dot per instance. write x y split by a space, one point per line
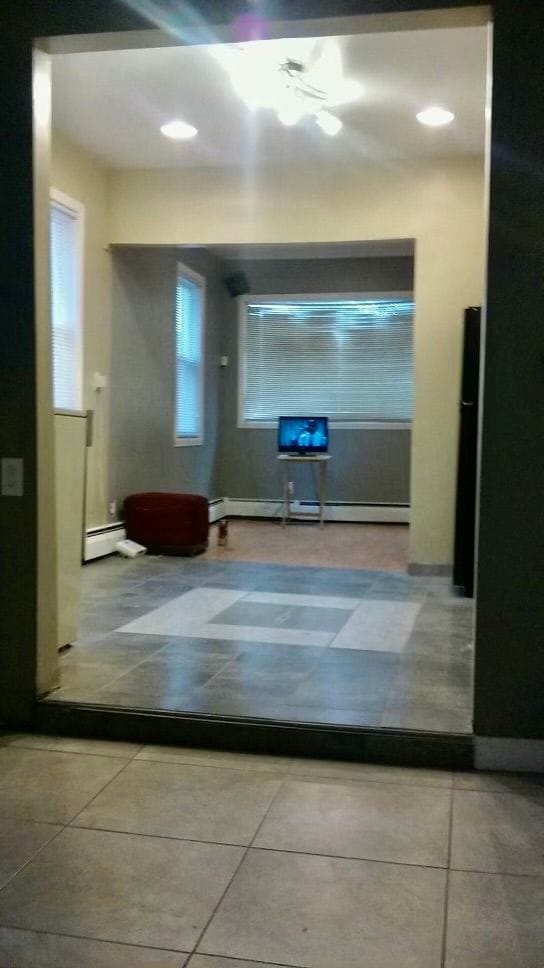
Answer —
12 477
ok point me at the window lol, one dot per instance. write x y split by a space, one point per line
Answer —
190 295
66 235
349 357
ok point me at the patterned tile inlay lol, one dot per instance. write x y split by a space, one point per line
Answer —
326 645
288 619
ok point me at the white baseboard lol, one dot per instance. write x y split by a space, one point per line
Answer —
101 541
518 755
217 509
376 513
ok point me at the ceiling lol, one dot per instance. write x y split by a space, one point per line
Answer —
314 250
113 104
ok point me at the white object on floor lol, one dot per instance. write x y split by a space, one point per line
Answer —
130 549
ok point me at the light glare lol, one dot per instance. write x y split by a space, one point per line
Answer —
328 123
178 130
435 117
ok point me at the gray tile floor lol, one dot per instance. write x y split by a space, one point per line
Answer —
307 644
114 855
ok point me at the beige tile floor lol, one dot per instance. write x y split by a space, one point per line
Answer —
380 547
115 855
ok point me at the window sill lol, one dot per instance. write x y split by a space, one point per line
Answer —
188 441
335 425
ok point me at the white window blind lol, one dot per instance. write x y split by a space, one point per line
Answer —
189 345
65 266
348 358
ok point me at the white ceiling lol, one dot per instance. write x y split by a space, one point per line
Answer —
113 103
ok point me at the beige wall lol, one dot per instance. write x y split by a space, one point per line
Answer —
440 205
78 174
47 614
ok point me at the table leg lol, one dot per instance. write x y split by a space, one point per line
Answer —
285 494
322 492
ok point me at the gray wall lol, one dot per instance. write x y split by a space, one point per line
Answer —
143 456
367 465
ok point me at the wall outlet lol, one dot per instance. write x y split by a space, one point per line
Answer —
100 381
113 509
291 487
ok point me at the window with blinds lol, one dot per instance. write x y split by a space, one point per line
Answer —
189 357
349 358
65 268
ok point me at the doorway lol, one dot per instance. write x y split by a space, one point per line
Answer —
417 606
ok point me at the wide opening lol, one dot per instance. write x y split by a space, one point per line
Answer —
303 247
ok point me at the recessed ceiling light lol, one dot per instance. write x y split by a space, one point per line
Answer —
435 117
178 130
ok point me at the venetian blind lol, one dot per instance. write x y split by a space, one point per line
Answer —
64 267
189 326
348 358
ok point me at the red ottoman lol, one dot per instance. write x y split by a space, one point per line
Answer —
168 524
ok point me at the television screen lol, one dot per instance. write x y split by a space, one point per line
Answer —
303 435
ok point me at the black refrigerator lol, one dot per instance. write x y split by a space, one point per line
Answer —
465 514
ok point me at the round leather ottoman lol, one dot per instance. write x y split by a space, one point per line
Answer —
168 524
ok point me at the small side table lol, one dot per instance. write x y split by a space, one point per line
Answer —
321 460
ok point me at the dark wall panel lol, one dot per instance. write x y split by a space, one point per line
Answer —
509 698
18 519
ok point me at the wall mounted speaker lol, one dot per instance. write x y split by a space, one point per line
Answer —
237 284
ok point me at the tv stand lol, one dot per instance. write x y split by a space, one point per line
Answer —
316 461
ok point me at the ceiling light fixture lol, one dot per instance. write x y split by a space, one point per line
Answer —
328 123
435 117
296 79
178 130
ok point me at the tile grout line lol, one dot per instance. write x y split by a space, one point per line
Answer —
52 749
249 961
467 870
87 937
301 776
242 859
121 674
63 826
147 658
143 661
447 888
140 577
270 850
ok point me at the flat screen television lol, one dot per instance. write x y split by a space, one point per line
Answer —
303 435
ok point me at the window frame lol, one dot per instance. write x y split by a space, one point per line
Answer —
76 210
244 301
183 270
